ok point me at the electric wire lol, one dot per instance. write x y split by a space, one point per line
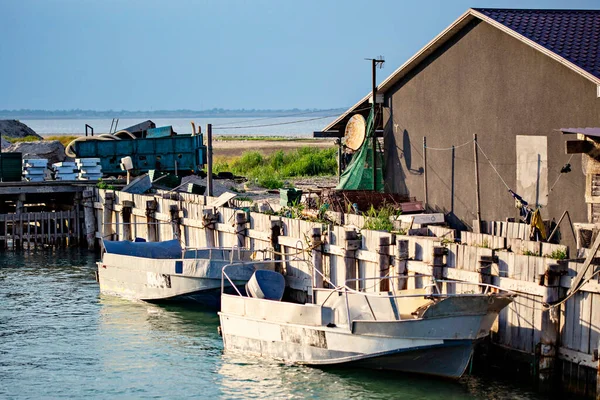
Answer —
449 148
492 165
279 116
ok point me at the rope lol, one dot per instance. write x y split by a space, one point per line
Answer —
492 165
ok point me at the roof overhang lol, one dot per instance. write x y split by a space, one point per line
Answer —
441 39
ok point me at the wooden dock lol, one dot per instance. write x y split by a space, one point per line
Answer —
557 347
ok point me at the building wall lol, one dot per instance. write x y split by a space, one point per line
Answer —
488 83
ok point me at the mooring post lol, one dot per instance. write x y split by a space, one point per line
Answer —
548 347
209 161
485 271
317 257
401 258
126 210
276 231
384 263
107 208
175 221
352 244
151 206
208 223
18 227
240 229
89 217
437 268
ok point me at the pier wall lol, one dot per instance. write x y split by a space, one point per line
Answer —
556 346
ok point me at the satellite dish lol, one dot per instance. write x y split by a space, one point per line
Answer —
355 132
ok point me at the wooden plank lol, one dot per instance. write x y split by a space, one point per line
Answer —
577 357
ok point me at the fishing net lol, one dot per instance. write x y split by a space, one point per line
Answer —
359 173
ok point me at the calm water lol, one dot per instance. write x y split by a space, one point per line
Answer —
59 338
279 126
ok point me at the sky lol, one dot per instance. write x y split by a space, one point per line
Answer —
232 54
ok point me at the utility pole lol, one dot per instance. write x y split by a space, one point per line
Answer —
375 62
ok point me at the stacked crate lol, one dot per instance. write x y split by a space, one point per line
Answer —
65 171
90 169
35 170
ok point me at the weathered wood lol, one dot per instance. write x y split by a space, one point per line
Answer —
107 218
317 258
89 218
350 258
126 214
400 264
175 221
240 228
384 263
208 221
550 328
152 225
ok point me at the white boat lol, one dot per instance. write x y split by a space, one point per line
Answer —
163 271
412 331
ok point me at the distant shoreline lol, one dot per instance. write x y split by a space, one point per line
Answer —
214 113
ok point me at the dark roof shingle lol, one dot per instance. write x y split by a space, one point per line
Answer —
571 34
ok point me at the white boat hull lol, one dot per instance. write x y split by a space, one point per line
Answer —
306 334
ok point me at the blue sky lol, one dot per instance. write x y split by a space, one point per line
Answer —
179 54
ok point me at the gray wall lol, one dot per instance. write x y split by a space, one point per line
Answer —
489 83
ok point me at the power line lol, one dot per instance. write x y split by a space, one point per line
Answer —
279 116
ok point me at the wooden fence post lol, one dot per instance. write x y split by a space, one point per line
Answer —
351 245
89 217
107 230
175 221
437 265
126 210
384 263
151 206
276 231
401 257
485 270
317 258
548 346
208 222
240 228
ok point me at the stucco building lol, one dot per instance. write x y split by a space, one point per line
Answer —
514 78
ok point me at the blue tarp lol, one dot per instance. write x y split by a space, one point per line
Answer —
170 249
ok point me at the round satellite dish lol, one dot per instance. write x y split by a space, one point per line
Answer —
355 132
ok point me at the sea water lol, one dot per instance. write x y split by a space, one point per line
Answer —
59 338
293 126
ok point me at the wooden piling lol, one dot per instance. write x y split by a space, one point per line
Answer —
549 334
485 270
437 265
126 210
384 263
89 218
107 231
317 258
175 221
351 245
151 222
276 231
208 223
240 228
401 258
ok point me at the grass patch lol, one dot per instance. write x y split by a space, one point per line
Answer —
64 139
271 171
22 139
380 219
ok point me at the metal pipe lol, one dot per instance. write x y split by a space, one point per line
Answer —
374 64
